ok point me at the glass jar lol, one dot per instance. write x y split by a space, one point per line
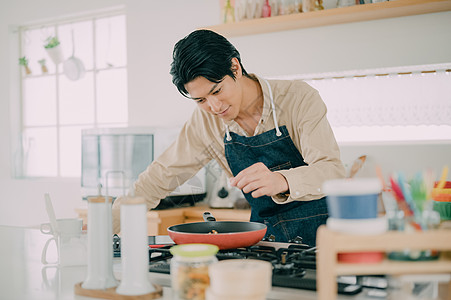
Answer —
427 220
189 270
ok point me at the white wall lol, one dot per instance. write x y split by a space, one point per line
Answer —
154 27
413 40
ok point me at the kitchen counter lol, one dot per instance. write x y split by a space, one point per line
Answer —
25 277
159 220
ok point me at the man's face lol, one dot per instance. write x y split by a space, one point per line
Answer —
221 99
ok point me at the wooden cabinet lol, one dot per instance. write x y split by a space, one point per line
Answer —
159 220
330 243
357 13
194 214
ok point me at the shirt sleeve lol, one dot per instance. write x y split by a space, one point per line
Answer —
318 148
178 163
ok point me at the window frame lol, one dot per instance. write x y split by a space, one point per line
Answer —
18 126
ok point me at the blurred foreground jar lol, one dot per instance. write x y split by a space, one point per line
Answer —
239 279
189 270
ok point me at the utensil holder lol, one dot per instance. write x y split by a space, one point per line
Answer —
428 220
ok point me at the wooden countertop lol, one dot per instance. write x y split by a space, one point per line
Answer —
159 220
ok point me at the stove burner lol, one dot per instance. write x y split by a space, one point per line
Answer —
287 270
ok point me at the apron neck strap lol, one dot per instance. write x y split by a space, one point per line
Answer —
273 107
228 137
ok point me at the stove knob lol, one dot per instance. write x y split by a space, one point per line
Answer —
270 238
296 240
223 193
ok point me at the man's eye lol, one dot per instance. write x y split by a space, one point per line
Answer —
200 101
216 92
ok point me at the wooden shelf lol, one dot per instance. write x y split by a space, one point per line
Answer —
357 13
441 265
331 243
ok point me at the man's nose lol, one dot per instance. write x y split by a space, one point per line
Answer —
215 104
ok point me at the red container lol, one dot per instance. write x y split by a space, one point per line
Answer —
361 257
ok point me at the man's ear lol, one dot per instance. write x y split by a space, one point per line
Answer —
236 67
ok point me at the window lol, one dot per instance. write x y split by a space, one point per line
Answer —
391 104
85 88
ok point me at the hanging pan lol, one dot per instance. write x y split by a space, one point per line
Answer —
73 67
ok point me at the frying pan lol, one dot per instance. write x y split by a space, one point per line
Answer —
230 234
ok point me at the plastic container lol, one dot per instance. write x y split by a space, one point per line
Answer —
352 198
240 279
189 270
361 257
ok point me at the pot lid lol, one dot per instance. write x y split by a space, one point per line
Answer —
194 250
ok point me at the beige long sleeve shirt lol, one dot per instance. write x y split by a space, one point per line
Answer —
298 106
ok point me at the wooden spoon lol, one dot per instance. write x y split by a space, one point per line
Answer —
357 165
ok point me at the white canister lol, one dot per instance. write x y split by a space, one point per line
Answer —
239 279
100 245
134 248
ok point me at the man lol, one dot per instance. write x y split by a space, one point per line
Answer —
271 137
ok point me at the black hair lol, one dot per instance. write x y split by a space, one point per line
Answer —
202 53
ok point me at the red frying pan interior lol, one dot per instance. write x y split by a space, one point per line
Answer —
230 234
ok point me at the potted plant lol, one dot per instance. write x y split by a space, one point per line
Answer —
53 47
23 61
43 66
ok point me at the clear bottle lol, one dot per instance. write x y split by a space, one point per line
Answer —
189 270
228 13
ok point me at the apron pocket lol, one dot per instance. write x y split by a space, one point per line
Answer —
302 221
304 227
283 166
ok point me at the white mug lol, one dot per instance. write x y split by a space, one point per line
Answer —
70 226
70 243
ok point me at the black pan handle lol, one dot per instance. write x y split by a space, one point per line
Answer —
208 217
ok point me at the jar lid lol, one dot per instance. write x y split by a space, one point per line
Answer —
369 226
352 186
194 250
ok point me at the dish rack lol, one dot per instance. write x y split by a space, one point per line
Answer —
330 243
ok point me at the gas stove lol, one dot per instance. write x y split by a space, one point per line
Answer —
294 264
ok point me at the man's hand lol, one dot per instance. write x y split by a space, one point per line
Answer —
259 180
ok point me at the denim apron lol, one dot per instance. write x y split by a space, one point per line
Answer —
276 150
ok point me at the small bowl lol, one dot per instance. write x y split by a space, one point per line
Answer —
444 209
352 198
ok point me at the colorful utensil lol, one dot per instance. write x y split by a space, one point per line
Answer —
441 183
